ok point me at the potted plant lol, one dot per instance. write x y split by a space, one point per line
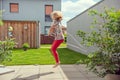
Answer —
105 37
25 46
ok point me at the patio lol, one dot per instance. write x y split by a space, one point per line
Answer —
46 72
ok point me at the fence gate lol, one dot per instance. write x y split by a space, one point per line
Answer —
23 32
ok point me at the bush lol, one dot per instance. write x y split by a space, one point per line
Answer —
6 46
105 35
6 49
25 46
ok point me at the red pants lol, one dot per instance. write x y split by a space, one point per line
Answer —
54 47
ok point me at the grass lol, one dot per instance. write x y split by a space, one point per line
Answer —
49 45
43 56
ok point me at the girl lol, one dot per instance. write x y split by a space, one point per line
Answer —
56 31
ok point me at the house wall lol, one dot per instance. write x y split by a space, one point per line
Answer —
30 10
82 22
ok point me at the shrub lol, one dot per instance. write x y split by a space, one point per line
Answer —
25 46
6 47
105 35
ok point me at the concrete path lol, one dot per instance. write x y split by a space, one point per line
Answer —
46 72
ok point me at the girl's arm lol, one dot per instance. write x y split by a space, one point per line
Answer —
52 28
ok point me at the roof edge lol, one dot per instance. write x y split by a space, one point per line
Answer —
86 10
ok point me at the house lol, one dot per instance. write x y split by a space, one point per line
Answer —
30 10
31 17
82 22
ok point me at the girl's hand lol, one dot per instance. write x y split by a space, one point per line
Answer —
51 31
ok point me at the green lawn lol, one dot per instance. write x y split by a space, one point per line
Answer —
49 45
43 56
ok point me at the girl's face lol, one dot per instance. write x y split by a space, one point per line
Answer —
56 16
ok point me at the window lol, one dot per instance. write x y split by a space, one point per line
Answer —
48 10
14 7
47 29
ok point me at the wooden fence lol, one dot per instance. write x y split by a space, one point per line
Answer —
45 39
23 32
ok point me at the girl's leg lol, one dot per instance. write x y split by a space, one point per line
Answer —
54 47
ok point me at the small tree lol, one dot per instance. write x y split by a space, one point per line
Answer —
6 47
105 35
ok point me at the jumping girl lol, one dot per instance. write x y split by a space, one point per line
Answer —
56 31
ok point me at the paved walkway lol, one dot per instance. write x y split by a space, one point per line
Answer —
46 72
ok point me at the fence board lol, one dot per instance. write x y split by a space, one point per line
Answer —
21 34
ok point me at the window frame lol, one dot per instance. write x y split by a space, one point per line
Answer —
48 16
45 29
11 7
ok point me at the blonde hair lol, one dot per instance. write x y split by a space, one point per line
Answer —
56 15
